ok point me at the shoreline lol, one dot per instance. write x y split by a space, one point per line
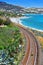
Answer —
18 21
31 28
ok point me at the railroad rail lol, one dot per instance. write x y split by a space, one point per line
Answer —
31 53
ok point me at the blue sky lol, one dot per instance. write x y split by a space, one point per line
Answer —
26 3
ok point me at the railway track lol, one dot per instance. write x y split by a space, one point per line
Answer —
31 53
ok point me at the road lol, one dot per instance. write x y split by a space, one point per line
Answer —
31 53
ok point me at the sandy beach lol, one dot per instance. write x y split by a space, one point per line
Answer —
18 21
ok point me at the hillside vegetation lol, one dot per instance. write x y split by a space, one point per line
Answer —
11 43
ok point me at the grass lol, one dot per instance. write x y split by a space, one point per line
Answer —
11 42
7 35
10 39
40 40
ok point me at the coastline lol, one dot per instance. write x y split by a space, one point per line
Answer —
31 28
18 21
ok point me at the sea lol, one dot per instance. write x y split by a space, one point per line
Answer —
34 21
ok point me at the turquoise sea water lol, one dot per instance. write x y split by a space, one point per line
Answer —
34 21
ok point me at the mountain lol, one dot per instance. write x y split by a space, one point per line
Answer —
34 10
9 7
18 9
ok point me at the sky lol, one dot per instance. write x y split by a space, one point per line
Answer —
25 3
